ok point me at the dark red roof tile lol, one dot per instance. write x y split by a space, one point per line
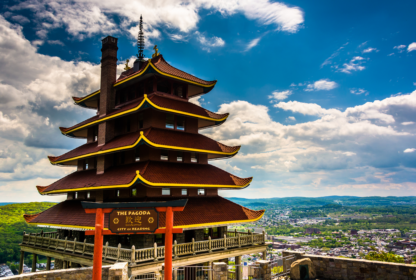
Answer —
152 171
198 211
156 135
159 100
160 63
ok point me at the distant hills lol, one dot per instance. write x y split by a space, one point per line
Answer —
322 201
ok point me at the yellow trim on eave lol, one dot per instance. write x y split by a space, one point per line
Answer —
137 108
97 187
219 223
189 185
162 73
88 96
142 137
187 226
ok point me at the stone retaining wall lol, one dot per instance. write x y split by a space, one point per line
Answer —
352 269
117 271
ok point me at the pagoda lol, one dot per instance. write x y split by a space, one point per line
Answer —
144 145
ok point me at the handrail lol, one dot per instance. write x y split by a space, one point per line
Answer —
233 239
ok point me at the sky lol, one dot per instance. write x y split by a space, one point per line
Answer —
321 94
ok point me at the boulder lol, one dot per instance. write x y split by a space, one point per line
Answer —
302 269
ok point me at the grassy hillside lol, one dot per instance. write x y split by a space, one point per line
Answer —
12 226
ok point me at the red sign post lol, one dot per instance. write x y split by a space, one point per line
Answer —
102 208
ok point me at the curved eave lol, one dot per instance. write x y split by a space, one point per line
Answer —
138 107
151 68
81 101
143 139
140 179
180 226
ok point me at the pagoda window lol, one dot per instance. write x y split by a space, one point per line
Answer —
170 121
149 85
76 195
165 191
128 122
206 233
141 121
119 158
180 123
163 85
178 90
137 155
164 155
139 90
194 157
159 239
118 193
201 191
133 192
131 95
88 195
214 232
86 166
184 191
95 133
179 156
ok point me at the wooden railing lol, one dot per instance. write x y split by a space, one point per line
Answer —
51 241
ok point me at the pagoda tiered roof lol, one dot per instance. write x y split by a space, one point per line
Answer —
154 137
154 100
155 65
149 173
199 212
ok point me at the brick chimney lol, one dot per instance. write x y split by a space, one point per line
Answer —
108 74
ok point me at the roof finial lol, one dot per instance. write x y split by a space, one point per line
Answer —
156 51
140 41
127 65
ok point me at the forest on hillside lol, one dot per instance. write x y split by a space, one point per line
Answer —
12 226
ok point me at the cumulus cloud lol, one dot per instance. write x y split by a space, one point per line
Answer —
334 145
358 91
208 43
369 50
400 48
280 95
409 150
411 47
323 84
86 18
355 64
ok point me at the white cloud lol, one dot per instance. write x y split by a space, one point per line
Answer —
407 123
323 84
358 91
411 47
353 65
253 43
55 42
87 18
369 50
400 48
208 43
280 95
409 150
334 146
290 118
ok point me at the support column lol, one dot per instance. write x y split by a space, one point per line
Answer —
98 245
264 255
238 268
210 271
219 271
64 264
264 272
22 259
35 258
48 263
168 243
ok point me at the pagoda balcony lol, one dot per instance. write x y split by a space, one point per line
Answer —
232 244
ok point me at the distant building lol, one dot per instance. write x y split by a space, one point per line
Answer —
354 232
312 231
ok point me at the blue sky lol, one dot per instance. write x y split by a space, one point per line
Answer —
321 94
